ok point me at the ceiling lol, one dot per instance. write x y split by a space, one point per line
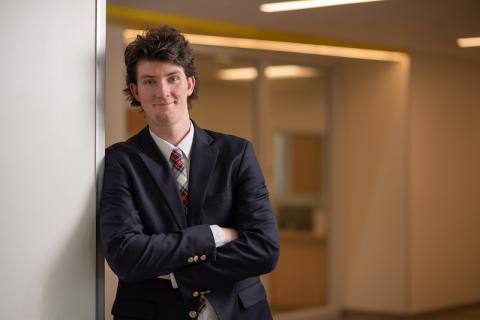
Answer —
422 26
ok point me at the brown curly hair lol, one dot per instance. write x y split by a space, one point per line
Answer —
164 44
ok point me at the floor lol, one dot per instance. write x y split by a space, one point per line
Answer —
471 312
464 313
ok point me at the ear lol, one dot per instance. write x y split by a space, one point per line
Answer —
191 85
134 90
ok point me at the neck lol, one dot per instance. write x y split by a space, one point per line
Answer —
172 133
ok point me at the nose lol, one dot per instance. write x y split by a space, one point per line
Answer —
162 90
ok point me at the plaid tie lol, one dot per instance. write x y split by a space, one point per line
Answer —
201 303
180 174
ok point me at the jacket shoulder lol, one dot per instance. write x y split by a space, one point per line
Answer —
124 149
223 140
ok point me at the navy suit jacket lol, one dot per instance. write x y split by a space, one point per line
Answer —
146 230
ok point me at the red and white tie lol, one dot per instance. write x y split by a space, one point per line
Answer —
179 172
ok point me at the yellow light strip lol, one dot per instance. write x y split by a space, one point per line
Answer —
306 4
271 72
290 47
468 42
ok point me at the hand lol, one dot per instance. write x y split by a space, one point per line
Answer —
230 234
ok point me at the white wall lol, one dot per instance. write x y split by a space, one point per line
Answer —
47 163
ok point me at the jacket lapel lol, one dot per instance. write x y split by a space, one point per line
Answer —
160 171
202 162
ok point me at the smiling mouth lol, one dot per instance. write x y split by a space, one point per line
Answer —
165 103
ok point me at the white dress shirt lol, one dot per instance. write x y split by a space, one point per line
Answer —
166 148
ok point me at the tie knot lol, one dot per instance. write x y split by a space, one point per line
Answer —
176 159
176 155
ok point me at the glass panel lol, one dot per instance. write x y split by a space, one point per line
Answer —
224 106
299 122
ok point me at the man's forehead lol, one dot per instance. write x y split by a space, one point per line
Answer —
155 67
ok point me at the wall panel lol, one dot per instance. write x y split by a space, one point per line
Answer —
47 164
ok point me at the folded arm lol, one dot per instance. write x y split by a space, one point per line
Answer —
251 249
132 253
256 250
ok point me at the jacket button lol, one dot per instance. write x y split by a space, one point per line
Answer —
203 257
195 258
195 294
192 314
190 259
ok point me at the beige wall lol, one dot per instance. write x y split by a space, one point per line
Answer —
369 177
405 184
116 106
445 182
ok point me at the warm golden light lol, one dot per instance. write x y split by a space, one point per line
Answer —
271 72
130 34
290 71
237 74
306 4
468 42
291 47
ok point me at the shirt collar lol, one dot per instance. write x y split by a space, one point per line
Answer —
166 147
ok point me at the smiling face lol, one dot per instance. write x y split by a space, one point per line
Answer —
163 89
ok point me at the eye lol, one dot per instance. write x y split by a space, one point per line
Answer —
173 78
149 81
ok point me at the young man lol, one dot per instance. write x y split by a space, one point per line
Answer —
185 218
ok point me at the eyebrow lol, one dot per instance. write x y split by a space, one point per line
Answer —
173 73
167 75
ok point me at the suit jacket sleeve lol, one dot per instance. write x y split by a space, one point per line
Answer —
133 253
256 250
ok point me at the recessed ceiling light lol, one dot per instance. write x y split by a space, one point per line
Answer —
306 4
290 71
468 42
249 73
271 72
